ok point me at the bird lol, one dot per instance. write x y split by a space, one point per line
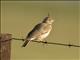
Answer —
40 31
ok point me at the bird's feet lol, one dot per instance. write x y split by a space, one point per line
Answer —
44 43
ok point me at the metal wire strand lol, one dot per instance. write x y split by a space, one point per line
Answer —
52 43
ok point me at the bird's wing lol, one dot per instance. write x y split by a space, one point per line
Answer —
34 32
38 30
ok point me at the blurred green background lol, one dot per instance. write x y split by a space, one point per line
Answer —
19 17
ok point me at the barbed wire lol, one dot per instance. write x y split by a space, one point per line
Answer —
52 43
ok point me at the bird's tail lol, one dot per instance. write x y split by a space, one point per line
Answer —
25 43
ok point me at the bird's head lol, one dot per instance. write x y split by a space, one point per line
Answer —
48 20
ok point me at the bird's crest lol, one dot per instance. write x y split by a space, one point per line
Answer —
46 18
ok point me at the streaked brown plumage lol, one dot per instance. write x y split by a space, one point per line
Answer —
40 31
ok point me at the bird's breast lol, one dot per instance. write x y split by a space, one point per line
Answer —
44 35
